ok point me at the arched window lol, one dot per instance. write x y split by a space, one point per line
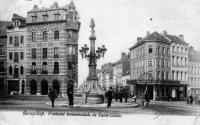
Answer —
33 86
33 68
44 68
45 35
10 70
56 34
16 74
44 87
56 68
22 70
33 36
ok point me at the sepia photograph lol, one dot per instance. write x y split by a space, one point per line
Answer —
100 62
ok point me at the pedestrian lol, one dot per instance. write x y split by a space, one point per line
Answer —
147 99
120 96
195 100
134 99
116 96
70 95
126 97
191 99
109 95
52 95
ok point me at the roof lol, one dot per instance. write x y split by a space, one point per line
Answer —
155 36
18 17
3 27
175 38
194 56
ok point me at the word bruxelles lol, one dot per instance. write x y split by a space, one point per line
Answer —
55 113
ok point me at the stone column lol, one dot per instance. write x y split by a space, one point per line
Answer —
154 92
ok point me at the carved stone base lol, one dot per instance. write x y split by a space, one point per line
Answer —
95 94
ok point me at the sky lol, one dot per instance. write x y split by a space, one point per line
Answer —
120 22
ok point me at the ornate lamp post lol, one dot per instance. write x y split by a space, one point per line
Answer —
92 57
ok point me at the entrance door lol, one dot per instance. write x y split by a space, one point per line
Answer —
44 87
33 87
56 86
150 90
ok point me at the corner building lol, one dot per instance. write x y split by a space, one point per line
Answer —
159 65
52 49
16 55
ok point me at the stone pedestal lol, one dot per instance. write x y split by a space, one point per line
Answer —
95 95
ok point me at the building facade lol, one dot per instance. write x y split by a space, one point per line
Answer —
151 67
107 76
16 55
194 72
52 49
3 57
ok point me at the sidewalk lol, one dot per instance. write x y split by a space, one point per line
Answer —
103 105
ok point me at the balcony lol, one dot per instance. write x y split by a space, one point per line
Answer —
44 72
16 75
33 72
55 72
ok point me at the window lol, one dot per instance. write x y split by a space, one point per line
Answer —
22 55
163 63
56 68
10 70
71 50
16 74
71 15
158 63
56 34
158 75
33 68
16 42
21 70
150 63
44 35
33 53
2 51
34 18
1 66
57 16
56 53
163 50
22 40
69 34
45 18
11 40
158 49
162 76
44 68
168 51
150 49
167 63
44 51
16 57
173 48
10 55
71 65
34 36
167 75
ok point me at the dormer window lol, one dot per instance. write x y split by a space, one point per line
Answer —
34 18
57 16
45 18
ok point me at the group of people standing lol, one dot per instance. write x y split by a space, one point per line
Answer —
193 100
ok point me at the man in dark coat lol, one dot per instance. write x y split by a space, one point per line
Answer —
52 95
109 95
70 95
147 98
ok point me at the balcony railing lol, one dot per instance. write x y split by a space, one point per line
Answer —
44 72
33 72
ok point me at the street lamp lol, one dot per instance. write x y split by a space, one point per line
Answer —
92 56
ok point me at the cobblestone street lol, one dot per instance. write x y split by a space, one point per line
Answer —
155 107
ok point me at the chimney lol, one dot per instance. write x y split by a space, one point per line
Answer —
123 55
139 39
181 37
164 33
148 33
